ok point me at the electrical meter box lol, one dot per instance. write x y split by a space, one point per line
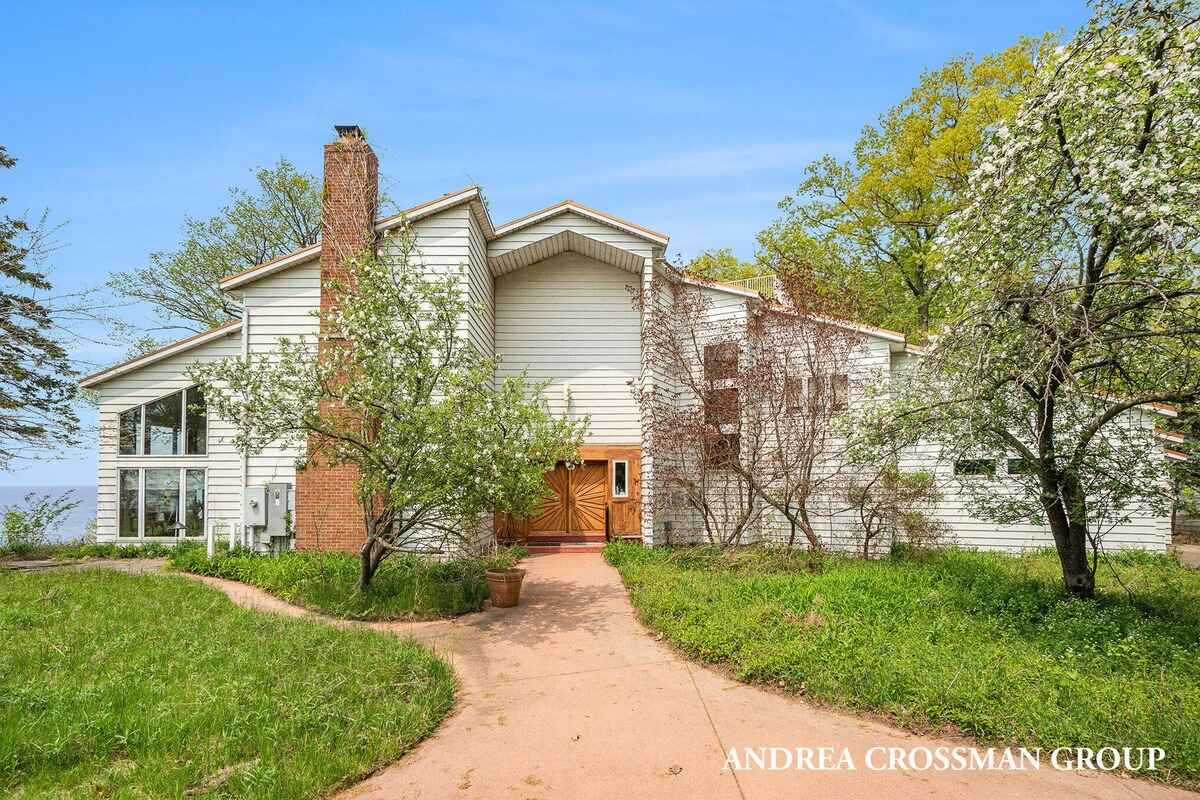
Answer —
254 506
279 509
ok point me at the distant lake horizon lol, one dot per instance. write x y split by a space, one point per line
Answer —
72 526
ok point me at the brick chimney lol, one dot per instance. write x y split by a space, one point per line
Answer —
328 516
348 205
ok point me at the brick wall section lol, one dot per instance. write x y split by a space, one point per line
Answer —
328 516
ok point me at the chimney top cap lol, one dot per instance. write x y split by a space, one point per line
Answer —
350 132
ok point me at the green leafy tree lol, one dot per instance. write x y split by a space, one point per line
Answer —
722 265
871 225
404 398
281 214
37 386
1079 242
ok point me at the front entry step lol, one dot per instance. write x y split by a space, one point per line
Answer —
566 547
563 538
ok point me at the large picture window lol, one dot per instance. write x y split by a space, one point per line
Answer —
169 426
161 502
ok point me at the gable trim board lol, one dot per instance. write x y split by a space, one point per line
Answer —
154 356
470 195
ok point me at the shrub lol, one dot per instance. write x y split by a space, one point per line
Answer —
26 526
405 586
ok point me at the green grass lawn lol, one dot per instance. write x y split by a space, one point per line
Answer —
405 587
982 643
154 686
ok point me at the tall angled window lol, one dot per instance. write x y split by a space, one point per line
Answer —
169 426
163 434
196 413
129 427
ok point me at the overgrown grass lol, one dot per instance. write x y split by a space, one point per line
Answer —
71 551
983 643
405 587
117 685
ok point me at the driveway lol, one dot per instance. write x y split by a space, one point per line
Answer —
568 696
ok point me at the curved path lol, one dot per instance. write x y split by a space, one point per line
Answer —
567 696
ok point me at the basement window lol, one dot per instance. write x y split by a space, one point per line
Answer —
169 426
620 479
160 503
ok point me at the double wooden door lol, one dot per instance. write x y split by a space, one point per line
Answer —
577 501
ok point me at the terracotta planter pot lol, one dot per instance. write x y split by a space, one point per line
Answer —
505 586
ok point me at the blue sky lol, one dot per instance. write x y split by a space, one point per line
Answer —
690 118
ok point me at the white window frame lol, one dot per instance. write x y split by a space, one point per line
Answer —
140 442
613 482
141 502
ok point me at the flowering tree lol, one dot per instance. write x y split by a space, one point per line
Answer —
745 421
800 356
1080 238
399 394
695 431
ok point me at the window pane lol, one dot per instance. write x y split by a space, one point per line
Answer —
127 503
620 479
975 466
1019 466
841 391
721 360
164 426
722 407
197 422
128 431
793 393
193 498
162 502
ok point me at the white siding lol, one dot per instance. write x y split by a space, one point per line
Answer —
222 461
570 320
481 291
279 306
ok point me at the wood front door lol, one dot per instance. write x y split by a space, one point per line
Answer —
576 503
587 500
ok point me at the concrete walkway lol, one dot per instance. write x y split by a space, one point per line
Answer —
568 696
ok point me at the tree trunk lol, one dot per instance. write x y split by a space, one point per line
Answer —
1070 536
371 555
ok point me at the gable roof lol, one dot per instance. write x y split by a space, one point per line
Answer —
570 206
471 195
158 354
468 195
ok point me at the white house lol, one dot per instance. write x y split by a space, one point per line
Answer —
553 293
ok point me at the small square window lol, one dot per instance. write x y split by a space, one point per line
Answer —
722 407
721 360
975 467
722 450
620 479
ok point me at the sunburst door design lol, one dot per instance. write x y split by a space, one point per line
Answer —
589 491
551 516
